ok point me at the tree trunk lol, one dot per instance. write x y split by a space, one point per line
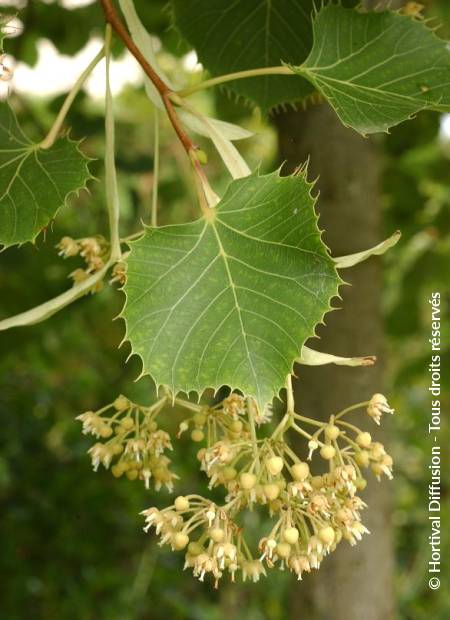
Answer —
354 582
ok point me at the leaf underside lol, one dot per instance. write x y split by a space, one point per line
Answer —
231 300
237 35
34 182
377 69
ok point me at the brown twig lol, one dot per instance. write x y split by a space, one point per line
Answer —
113 18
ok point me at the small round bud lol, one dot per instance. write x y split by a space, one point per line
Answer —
217 534
360 484
332 431
364 440
181 503
199 419
362 458
283 550
387 460
116 471
377 469
291 535
275 465
229 473
117 448
271 491
377 451
195 548
180 541
275 506
201 454
281 483
121 403
127 424
300 471
197 435
317 482
106 431
247 480
327 452
327 535
236 426
132 474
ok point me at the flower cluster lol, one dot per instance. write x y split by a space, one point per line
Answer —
134 446
212 541
94 251
312 513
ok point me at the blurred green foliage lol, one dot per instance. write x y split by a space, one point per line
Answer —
72 543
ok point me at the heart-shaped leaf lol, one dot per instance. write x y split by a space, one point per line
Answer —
34 182
249 34
377 69
230 299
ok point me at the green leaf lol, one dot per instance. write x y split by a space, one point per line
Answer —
230 299
34 182
377 69
237 35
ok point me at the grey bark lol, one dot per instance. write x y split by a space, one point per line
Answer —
354 582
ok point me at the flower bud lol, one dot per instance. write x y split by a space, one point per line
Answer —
362 458
217 534
291 535
300 471
127 424
271 491
364 440
199 419
248 481
327 452
121 403
274 465
236 426
283 550
180 541
327 535
332 431
181 503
